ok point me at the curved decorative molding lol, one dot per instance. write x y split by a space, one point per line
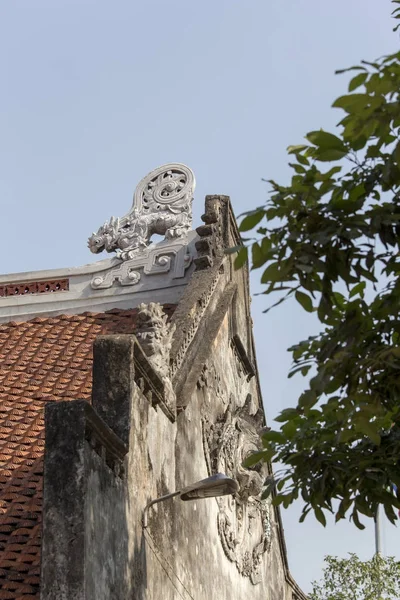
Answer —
244 522
153 261
162 204
195 318
104 440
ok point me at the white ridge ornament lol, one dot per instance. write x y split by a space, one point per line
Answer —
162 204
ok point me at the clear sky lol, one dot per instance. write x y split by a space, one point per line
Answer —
95 94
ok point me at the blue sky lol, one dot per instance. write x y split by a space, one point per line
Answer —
95 94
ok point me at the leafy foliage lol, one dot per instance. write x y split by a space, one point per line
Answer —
352 579
331 239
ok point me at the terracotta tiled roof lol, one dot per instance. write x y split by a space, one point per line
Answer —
42 360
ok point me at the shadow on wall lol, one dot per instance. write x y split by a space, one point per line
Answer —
138 569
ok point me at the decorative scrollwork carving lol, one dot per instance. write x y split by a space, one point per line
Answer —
129 277
244 523
162 204
155 335
160 259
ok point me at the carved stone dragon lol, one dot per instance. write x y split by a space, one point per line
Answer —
162 205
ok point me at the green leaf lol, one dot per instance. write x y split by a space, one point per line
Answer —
241 258
351 102
331 172
272 436
258 257
307 399
271 273
391 515
330 155
302 159
251 220
326 141
289 429
358 289
346 435
296 149
357 143
356 520
304 514
396 154
320 515
304 300
253 459
269 487
356 192
287 414
269 452
298 168
343 507
295 370
357 81
365 426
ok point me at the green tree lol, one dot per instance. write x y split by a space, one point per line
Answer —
331 239
353 579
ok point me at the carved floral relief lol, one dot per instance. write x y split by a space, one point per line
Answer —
244 523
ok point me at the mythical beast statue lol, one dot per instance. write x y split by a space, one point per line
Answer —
162 204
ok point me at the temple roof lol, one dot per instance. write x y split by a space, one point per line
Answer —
140 269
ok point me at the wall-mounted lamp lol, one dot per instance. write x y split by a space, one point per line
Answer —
216 485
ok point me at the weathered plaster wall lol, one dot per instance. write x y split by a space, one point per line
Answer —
203 564
106 533
227 548
182 550
85 543
180 555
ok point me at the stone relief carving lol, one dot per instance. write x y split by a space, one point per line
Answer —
162 204
127 276
153 261
244 522
211 379
196 316
155 336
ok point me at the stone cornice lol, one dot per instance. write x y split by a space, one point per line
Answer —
161 271
103 439
198 351
150 383
242 355
214 239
